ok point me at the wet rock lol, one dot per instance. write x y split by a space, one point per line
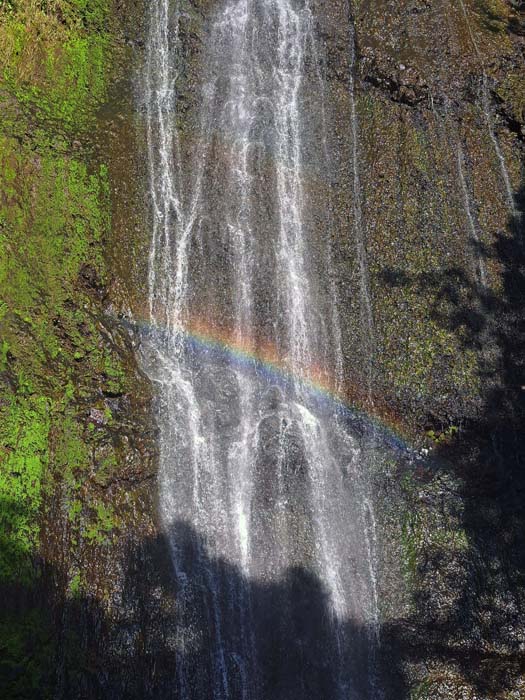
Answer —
402 83
98 416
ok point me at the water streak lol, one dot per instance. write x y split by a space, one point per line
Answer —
366 303
365 486
481 268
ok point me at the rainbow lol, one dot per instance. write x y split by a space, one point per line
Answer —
213 343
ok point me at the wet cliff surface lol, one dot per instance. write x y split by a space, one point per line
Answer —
77 443
421 198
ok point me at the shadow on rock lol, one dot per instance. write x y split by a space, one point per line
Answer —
484 636
208 632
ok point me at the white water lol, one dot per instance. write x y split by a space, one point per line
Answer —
481 271
263 489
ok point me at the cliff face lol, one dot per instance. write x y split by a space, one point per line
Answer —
435 93
442 148
77 454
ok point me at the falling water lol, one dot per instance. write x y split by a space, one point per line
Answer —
263 494
481 269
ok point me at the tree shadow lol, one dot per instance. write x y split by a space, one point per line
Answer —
208 631
487 456
160 635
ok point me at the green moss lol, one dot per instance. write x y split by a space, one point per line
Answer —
414 217
115 374
54 59
439 437
512 91
71 455
107 466
4 349
430 532
75 508
54 355
494 14
24 433
75 586
101 525
54 215
26 647
63 205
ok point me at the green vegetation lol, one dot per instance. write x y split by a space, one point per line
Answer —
55 356
75 586
53 58
446 435
49 332
24 439
54 215
26 646
512 91
427 529
494 14
102 525
412 242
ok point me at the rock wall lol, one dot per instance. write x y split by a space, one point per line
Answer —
442 157
77 455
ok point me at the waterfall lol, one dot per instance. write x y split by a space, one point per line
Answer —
262 488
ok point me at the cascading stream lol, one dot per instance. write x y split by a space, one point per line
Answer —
261 484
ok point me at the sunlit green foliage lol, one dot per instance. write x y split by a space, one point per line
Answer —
54 215
53 57
24 428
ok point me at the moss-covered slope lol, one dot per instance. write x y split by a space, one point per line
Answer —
72 425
